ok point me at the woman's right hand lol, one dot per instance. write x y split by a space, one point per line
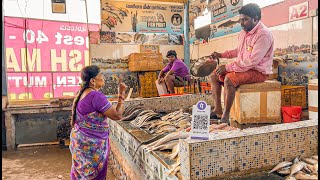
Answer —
122 88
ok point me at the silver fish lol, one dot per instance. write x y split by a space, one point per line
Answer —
301 175
296 167
280 165
175 151
310 161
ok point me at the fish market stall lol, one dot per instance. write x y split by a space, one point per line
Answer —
144 146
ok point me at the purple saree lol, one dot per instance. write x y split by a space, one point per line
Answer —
89 139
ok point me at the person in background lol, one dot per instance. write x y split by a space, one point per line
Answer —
175 73
89 137
254 58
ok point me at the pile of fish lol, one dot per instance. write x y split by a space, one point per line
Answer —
132 111
304 168
169 142
155 123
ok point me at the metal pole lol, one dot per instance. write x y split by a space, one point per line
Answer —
186 34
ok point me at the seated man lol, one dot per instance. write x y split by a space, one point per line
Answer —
174 73
254 58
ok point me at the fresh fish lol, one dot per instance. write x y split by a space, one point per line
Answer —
290 178
301 175
173 167
169 145
161 127
295 160
172 136
297 167
133 115
166 129
284 172
175 151
315 157
313 168
310 161
280 165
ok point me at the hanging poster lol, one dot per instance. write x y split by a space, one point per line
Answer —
224 9
225 27
141 17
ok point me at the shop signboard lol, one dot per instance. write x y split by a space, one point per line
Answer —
200 121
223 9
141 17
299 11
44 58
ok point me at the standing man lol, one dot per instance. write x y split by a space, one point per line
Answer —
254 58
175 73
134 21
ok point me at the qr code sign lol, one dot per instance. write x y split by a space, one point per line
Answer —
200 122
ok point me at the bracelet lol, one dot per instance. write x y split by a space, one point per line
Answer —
120 97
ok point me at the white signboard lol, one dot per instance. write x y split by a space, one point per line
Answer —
299 11
200 121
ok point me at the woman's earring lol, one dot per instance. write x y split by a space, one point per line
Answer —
94 85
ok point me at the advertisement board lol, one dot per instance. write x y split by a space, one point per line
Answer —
44 58
141 17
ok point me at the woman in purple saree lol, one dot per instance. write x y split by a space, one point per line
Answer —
89 137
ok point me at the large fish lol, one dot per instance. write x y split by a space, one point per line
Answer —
175 151
132 115
315 157
167 146
301 175
297 167
310 161
313 168
172 136
290 178
173 167
280 165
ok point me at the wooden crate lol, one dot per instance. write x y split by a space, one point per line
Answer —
145 62
313 99
257 103
147 84
294 96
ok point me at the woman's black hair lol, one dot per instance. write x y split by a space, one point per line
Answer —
87 73
171 53
252 10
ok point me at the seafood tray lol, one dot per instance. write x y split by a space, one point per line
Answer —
145 62
147 83
294 96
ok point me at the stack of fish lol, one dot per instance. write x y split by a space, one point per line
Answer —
175 121
144 117
169 142
132 111
304 168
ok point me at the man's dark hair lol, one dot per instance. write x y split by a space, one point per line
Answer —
252 10
171 53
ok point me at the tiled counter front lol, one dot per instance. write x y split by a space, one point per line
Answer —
249 150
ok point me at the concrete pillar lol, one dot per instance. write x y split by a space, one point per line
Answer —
186 34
